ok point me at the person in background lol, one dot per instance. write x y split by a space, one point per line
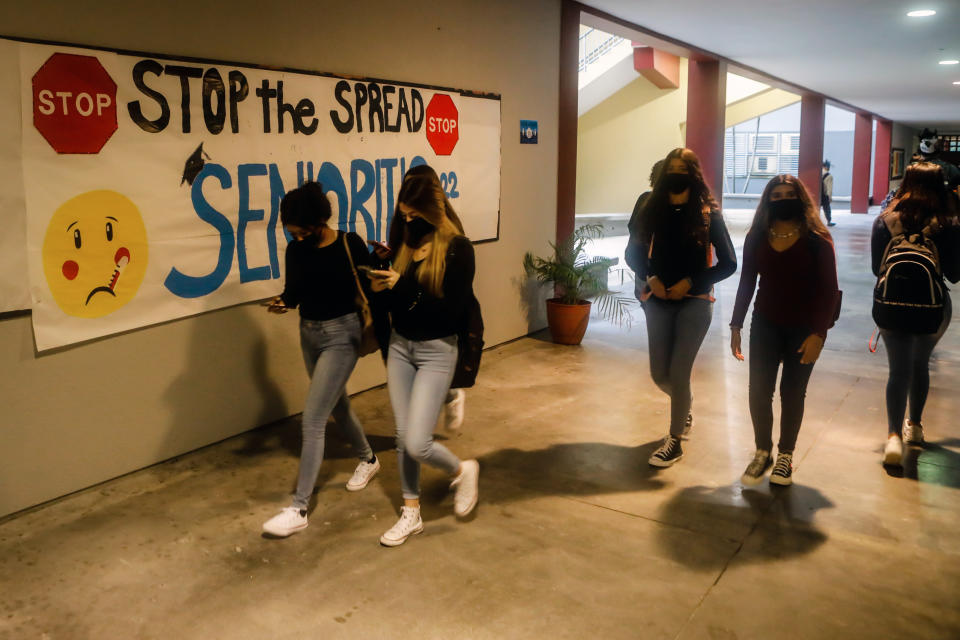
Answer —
826 192
321 283
922 205
791 251
427 290
679 227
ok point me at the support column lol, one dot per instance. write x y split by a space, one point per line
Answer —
567 130
706 109
812 111
881 160
860 187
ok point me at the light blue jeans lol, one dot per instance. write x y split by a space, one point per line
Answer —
330 351
675 331
418 378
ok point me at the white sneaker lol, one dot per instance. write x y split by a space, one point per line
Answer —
287 522
409 524
467 486
912 433
893 451
453 410
363 474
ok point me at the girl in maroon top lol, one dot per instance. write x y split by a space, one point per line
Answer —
791 251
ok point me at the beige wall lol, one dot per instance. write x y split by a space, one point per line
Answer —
75 417
620 139
906 138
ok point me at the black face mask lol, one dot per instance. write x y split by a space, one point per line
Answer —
416 230
791 209
677 182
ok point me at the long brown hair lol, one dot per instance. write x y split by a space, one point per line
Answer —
422 192
921 197
811 214
696 212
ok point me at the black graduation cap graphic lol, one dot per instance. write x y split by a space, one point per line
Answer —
193 165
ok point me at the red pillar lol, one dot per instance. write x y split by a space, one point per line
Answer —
706 109
812 109
881 160
860 187
567 131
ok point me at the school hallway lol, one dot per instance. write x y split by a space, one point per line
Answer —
575 536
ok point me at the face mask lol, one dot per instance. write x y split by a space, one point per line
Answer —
791 209
416 231
677 182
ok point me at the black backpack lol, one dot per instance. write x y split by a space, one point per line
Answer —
908 296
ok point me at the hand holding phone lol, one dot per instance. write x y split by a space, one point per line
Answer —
380 249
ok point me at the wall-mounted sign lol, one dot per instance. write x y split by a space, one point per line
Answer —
528 132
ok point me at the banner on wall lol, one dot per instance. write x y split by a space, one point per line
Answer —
152 185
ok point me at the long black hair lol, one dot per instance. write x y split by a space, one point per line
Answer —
696 212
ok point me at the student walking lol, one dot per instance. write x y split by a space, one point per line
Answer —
791 251
679 228
826 192
428 291
916 236
321 282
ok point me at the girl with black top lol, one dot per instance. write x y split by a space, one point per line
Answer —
428 289
921 203
791 251
679 227
321 282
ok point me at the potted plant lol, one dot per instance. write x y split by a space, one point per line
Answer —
576 278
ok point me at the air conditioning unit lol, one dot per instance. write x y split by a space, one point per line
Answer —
765 165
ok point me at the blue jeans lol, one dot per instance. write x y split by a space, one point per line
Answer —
771 345
675 331
909 357
330 351
418 378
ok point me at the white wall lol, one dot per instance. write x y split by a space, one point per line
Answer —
78 416
906 138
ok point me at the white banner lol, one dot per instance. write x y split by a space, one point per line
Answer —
152 186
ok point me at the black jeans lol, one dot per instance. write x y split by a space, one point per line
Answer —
909 357
771 345
825 203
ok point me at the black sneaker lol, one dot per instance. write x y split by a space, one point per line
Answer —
668 453
782 473
762 460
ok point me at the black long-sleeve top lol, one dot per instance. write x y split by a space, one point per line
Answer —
419 315
798 286
676 255
319 280
947 241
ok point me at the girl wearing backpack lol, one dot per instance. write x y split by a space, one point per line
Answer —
921 217
429 290
679 228
791 252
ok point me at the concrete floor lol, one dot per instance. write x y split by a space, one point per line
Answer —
574 537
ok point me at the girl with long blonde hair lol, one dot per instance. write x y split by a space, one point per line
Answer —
427 289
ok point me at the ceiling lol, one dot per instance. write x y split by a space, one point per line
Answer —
865 53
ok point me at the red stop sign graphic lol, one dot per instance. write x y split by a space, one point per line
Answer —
443 124
74 103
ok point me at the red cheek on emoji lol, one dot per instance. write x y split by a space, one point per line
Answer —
70 269
121 254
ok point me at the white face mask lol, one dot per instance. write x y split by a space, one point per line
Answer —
928 145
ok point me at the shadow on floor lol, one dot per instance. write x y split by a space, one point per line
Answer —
285 435
932 463
780 524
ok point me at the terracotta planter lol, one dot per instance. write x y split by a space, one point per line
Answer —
568 322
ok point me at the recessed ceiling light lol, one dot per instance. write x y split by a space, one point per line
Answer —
950 62
957 82
922 13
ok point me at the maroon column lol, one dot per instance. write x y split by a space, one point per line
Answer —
811 143
881 160
860 187
706 109
567 133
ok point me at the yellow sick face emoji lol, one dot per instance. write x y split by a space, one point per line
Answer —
95 253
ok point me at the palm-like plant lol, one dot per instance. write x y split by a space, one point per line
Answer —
577 278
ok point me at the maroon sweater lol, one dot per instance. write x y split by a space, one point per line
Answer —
798 287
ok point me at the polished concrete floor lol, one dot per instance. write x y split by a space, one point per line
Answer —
574 537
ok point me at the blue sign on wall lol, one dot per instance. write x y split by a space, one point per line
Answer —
528 132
